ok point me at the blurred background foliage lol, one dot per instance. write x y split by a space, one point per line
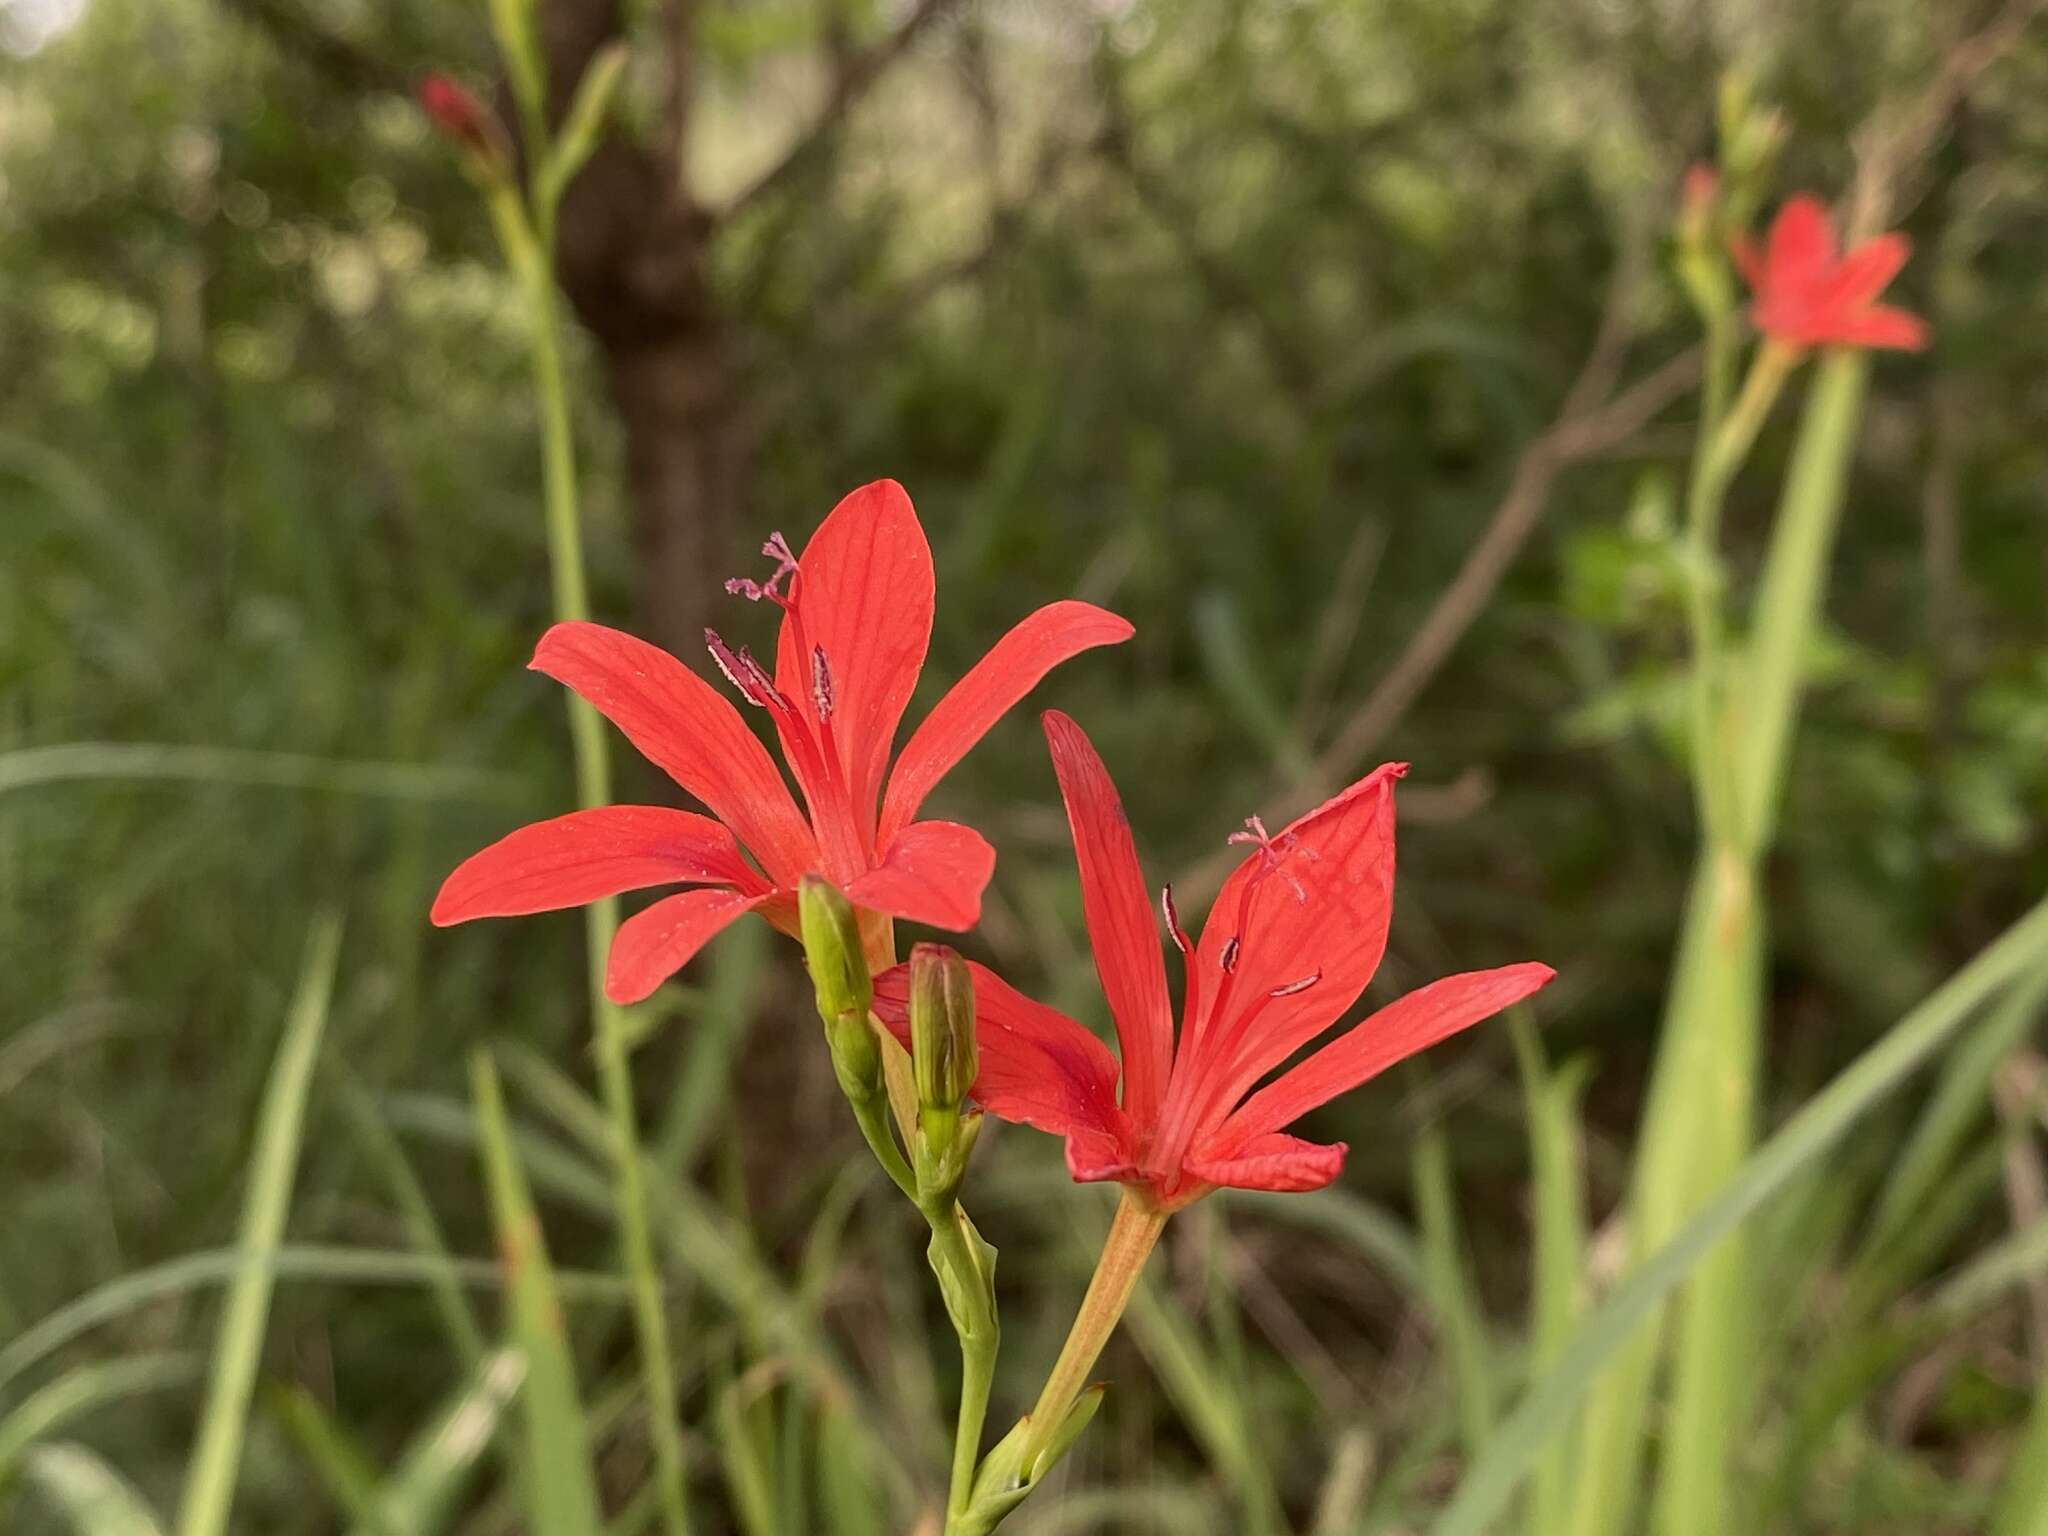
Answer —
1246 318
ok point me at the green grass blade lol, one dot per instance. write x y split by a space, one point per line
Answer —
1200 1390
343 1467
738 967
1461 1329
420 1496
95 1498
307 1261
1960 1101
1788 603
1713 1344
564 1495
382 1147
744 1457
1550 1105
167 762
707 1242
1612 1438
1547 1407
78 1392
1371 1230
210 1478
2023 1503
847 1496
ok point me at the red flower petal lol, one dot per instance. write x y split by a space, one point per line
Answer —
1410 1024
653 945
591 854
1273 1162
1011 669
1865 272
1121 928
1094 1158
864 597
681 724
1748 260
1882 326
934 872
1038 1067
1326 910
1802 242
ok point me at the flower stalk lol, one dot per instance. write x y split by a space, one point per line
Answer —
1744 710
1133 1234
524 222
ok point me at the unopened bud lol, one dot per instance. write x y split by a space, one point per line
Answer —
944 1060
462 119
832 949
942 1044
1701 262
839 973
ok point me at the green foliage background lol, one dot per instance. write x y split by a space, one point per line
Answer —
1248 310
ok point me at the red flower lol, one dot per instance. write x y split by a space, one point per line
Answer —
454 111
856 619
1294 936
1808 295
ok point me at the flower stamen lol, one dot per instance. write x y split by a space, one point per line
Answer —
1173 928
821 684
748 677
1297 987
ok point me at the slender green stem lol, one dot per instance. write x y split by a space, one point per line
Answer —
1727 433
527 249
1792 587
972 1296
961 1262
872 1115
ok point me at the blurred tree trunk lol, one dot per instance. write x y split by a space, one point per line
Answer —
634 262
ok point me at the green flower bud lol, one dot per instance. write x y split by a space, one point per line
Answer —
832 949
839 972
942 1044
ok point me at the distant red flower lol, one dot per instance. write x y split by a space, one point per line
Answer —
856 620
1810 296
452 109
1294 936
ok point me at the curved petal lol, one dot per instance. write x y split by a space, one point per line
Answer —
586 855
1320 912
1121 928
1274 1162
1405 1026
992 686
863 596
1868 270
1038 1067
679 723
934 872
1883 326
654 944
1095 1158
1749 260
1802 242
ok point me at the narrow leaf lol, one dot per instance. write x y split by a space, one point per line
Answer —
210 1478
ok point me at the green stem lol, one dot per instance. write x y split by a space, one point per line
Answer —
1727 433
1793 583
527 250
872 1115
972 1292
